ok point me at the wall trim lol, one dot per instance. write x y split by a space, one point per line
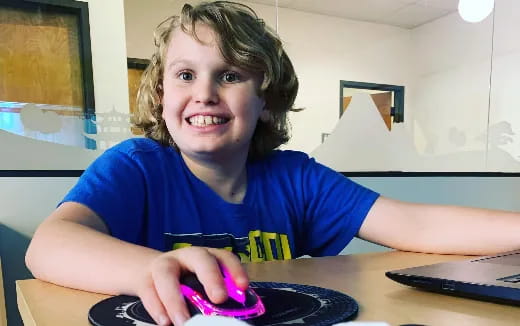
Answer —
402 174
40 173
399 174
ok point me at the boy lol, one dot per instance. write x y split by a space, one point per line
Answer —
207 186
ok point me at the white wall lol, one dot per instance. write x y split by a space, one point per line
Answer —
108 41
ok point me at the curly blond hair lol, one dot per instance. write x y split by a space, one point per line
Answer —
244 41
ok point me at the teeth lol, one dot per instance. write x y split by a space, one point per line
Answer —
201 120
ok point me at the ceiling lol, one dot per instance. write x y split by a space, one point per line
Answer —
401 13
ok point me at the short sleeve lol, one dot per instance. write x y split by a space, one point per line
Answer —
113 186
335 209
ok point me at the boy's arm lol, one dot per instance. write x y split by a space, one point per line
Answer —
72 245
441 229
72 248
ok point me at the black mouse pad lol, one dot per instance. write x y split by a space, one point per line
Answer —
285 304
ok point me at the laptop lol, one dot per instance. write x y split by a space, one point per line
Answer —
491 278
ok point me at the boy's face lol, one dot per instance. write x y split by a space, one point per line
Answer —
209 106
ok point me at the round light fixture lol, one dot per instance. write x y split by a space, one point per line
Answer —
474 11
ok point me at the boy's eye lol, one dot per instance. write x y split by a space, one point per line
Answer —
185 75
230 77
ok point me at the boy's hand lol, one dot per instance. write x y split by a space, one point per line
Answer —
160 291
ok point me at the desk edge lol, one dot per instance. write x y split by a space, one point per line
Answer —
23 307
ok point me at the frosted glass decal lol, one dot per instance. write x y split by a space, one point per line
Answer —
366 145
362 142
65 125
51 123
109 128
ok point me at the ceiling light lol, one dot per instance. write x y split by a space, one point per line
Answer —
474 11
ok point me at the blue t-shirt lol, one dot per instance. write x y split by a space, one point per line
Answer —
293 206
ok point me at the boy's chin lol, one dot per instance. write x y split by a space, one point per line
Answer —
217 152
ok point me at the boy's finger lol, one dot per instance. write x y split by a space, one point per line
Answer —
166 282
233 265
207 264
204 264
154 306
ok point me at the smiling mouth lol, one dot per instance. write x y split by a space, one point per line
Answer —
206 120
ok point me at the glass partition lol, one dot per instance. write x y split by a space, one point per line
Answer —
457 77
443 63
503 139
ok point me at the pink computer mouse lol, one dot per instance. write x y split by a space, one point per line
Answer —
241 304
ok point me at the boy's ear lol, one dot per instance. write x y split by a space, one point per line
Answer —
162 105
162 111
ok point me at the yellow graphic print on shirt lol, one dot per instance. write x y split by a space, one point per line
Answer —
256 247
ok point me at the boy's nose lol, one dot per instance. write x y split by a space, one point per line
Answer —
206 91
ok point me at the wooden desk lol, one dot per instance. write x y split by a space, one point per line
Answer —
360 276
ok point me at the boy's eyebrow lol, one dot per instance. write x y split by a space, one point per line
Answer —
178 62
188 62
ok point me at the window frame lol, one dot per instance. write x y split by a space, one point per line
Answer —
397 110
